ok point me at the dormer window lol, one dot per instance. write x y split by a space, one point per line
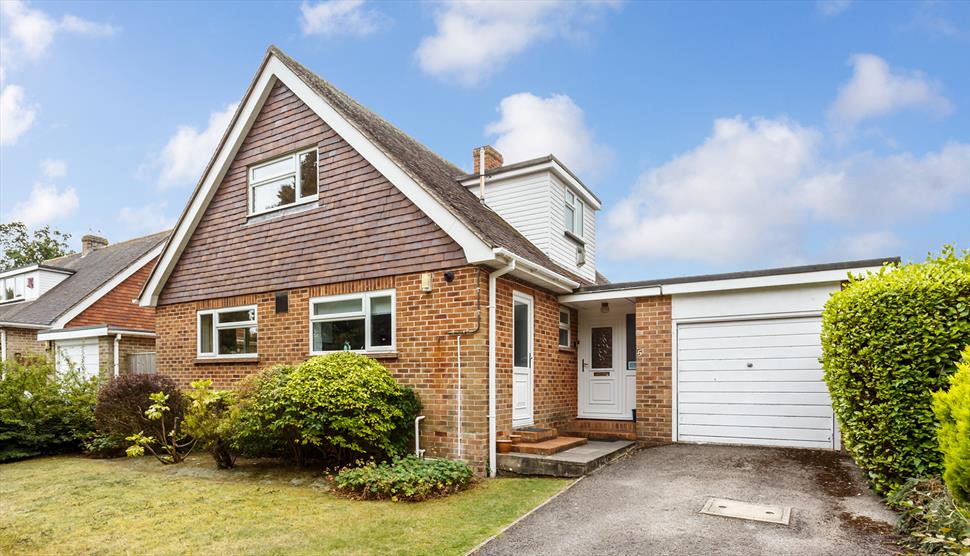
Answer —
573 216
12 288
283 182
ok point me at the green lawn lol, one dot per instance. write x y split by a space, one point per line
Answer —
74 505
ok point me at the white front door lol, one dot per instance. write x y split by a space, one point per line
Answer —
522 340
607 381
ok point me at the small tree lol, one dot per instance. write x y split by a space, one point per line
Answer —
174 445
18 249
209 421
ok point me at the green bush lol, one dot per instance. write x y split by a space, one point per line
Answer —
43 411
952 408
889 340
209 421
409 479
929 519
342 406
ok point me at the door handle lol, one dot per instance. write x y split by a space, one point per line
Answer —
584 365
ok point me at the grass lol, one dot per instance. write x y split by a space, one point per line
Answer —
74 505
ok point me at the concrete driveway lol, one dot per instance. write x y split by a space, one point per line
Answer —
649 503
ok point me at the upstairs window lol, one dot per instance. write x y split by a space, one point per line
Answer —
12 288
283 182
358 322
228 332
573 215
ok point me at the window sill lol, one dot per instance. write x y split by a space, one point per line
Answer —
568 349
574 237
273 214
371 354
224 360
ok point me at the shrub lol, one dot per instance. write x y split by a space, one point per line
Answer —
952 408
123 400
43 411
342 406
931 521
209 421
104 445
173 444
410 479
889 339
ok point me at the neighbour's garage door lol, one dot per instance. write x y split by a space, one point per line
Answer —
753 382
82 354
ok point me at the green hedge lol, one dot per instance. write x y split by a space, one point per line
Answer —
952 408
889 340
408 479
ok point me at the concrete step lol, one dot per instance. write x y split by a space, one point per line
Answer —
536 434
574 462
549 447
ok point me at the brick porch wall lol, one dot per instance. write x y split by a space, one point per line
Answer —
654 370
426 351
22 342
128 345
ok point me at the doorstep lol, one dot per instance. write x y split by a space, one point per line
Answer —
574 462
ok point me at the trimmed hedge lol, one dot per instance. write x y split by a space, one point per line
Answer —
952 408
409 479
890 339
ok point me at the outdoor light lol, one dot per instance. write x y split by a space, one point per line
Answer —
604 307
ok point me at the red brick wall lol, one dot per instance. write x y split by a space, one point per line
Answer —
654 369
426 353
127 346
116 308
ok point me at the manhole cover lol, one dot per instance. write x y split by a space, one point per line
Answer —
744 510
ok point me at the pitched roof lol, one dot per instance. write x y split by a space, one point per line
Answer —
436 175
90 273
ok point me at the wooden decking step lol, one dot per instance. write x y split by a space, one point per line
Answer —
549 447
536 434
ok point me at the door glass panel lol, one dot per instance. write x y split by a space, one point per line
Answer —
520 333
602 347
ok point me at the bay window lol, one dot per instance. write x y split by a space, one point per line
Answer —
282 182
228 332
356 322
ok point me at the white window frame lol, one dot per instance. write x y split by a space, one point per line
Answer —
14 296
365 304
577 207
295 156
216 326
565 326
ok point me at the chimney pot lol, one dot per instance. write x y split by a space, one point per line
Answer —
493 158
91 242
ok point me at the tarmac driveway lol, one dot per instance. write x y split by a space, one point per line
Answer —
649 503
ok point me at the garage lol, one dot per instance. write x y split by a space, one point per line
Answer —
81 353
753 381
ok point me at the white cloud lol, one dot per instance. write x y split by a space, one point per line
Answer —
474 40
16 114
876 90
332 18
45 204
32 31
530 126
147 219
53 168
188 151
755 188
831 8
866 245
74 24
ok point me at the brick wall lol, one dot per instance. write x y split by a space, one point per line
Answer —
22 342
127 346
426 357
116 308
654 370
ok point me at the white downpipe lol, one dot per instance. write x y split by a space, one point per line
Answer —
3 344
417 436
459 396
117 354
492 277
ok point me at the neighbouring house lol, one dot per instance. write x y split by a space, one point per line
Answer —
318 226
82 308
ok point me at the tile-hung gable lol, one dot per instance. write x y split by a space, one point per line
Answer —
385 204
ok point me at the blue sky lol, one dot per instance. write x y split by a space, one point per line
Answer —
719 136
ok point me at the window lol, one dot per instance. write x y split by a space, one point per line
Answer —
282 182
228 332
12 288
358 322
573 216
563 328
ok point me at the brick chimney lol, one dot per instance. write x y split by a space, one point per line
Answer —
91 243
493 158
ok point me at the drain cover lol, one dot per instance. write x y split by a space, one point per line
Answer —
744 510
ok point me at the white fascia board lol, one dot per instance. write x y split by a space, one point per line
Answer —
32 268
547 166
91 332
817 277
475 249
611 295
537 271
5 324
97 294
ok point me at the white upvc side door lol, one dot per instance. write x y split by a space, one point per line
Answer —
523 334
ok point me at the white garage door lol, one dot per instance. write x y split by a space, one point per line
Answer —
753 382
82 354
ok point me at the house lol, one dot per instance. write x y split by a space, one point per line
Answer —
81 309
318 226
